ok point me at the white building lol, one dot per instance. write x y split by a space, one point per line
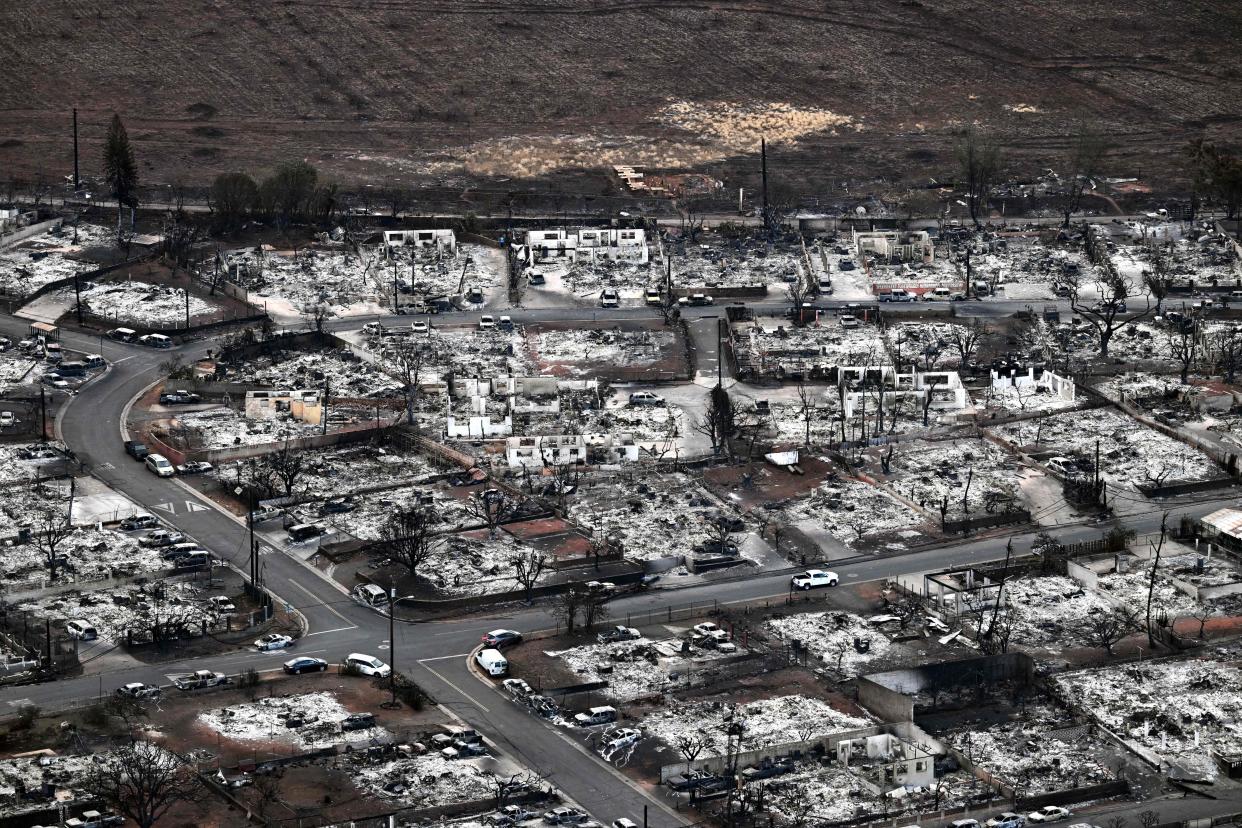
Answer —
571 449
902 245
1054 384
618 244
306 406
944 387
445 240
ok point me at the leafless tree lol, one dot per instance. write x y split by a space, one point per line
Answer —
1149 818
690 745
1225 351
1105 316
806 410
1083 164
1107 627
527 567
314 314
594 608
1117 822
267 789
1156 277
965 339
493 507
286 466
409 539
979 160
1203 613
1184 342
51 528
407 359
1151 586
141 781
567 605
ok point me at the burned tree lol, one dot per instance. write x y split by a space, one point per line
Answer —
1151 585
51 528
566 606
285 466
527 568
979 162
407 359
1184 343
1082 166
1225 351
1108 627
965 339
408 538
716 423
1156 277
691 745
1109 314
493 507
141 781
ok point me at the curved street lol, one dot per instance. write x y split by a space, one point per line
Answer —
434 654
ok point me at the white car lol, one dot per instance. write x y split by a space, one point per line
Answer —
367 665
487 323
138 690
81 630
813 578
708 629
849 320
419 326
610 298
1048 813
222 603
273 641
7 419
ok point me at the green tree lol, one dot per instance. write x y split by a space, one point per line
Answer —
120 169
287 193
233 196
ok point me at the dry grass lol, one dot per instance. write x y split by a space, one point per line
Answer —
451 89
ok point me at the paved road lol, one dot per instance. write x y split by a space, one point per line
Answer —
434 654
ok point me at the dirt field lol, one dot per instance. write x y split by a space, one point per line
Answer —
447 91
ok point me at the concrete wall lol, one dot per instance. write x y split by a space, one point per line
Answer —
28 231
333 438
964 672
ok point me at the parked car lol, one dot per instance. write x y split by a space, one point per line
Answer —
7 419
624 822
1048 813
696 300
499 639
155 341
81 630
813 578
176 551
159 538
305 664
848 320
222 603
624 737
653 296
517 687
358 721
604 714
419 326
645 398
367 665
487 322
709 630
492 662
688 781
158 465
122 334
610 298
964 823
273 641
194 467
139 522
136 450
564 816
138 690
1006 820
534 277
618 634
179 398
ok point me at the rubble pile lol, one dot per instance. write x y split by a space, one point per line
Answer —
843 641
851 511
576 352
422 781
766 722
136 607
1052 612
635 668
931 474
49 257
309 720
145 305
1180 710
1130 453
1023 754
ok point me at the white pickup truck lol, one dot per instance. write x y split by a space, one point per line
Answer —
200 679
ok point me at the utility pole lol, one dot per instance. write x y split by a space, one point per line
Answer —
392 640
325 405
77 181
73 489
763 161
77 287
43 414
187 305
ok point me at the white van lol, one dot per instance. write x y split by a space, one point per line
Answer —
155 341
492 662
370 595
158 465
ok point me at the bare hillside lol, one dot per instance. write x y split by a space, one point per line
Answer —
470 89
